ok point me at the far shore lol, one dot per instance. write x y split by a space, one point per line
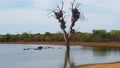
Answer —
112 44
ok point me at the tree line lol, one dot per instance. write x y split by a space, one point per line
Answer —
95 36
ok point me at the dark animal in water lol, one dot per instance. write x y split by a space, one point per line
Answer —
38 48
26 48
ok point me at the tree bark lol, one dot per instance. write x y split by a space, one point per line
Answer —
67 54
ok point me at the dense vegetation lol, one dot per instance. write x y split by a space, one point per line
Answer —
95 36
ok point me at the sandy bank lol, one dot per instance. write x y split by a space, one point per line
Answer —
105 65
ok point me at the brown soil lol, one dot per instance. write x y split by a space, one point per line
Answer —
105 65
114 44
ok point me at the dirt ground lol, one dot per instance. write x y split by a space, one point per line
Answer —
112 44
106 65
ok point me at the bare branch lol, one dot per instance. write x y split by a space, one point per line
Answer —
50 11
76 14
72 4
62 5
77 5
58 7
51 16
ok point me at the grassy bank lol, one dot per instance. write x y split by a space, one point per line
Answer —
114 44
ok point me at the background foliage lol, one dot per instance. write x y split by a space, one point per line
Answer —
95 36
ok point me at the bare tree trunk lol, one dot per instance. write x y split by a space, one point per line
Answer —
66 58
67 54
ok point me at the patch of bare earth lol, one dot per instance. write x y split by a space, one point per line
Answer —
106 65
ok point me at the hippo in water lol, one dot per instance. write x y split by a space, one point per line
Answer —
38 48
26 48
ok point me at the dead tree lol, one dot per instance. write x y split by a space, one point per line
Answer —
59 15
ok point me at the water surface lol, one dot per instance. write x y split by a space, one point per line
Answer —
14 55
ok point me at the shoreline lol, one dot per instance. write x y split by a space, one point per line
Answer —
100 65
111 44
